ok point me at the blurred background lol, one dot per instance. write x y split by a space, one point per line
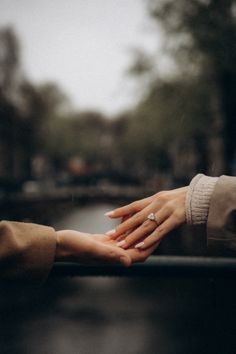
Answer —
103 102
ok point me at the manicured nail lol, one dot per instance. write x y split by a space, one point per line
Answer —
139 245
111 232
121 243
109 213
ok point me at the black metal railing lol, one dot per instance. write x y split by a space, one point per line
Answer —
155 266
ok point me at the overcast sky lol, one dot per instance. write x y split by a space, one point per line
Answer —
81 44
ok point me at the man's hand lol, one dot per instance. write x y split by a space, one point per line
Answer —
89 249
140 255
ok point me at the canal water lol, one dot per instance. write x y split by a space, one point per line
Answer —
105 315
89 218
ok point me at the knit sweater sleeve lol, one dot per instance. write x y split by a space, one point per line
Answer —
198 199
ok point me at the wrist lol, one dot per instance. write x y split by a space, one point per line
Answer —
62 253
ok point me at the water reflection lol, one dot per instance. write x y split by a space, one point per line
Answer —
128 316
89 218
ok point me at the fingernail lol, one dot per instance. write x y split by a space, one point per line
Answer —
109 213
111 232
121 243
139 245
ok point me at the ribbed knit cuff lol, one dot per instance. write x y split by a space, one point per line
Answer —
198 199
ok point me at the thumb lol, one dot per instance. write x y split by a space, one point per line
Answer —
125 260
113 254
124 257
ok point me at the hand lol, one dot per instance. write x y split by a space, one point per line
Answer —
140 255
89 249
169 210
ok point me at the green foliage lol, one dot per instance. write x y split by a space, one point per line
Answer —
86 135
201 37
10 69
172 113
180 113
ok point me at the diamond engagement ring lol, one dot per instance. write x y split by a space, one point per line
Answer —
152 217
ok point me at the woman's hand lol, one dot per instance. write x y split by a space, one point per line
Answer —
168 208
89 249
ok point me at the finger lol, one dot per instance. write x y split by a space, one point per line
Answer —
168 225
137 219
112 233
120 238
145 229
125 217
139 233
140 255
111 254
129 209
126 226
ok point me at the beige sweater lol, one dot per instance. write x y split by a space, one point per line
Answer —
212 201
27 251
198 198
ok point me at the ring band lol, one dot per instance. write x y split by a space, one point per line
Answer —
152 217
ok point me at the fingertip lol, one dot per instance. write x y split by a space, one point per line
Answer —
121 243
110 214
111 232
140 245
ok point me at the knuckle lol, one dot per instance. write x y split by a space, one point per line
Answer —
146 225
179 214
134 205
176 215
167 209
119 228
162 196
176 219
171 205
161 231
161 193
136 217
154 235
128 241
131 239
119 211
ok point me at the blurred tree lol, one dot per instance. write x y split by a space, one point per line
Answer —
163 134
142 66
10 68
26 113
41 106
201 36
10 118
84 134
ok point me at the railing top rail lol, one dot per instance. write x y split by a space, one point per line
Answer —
155 266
